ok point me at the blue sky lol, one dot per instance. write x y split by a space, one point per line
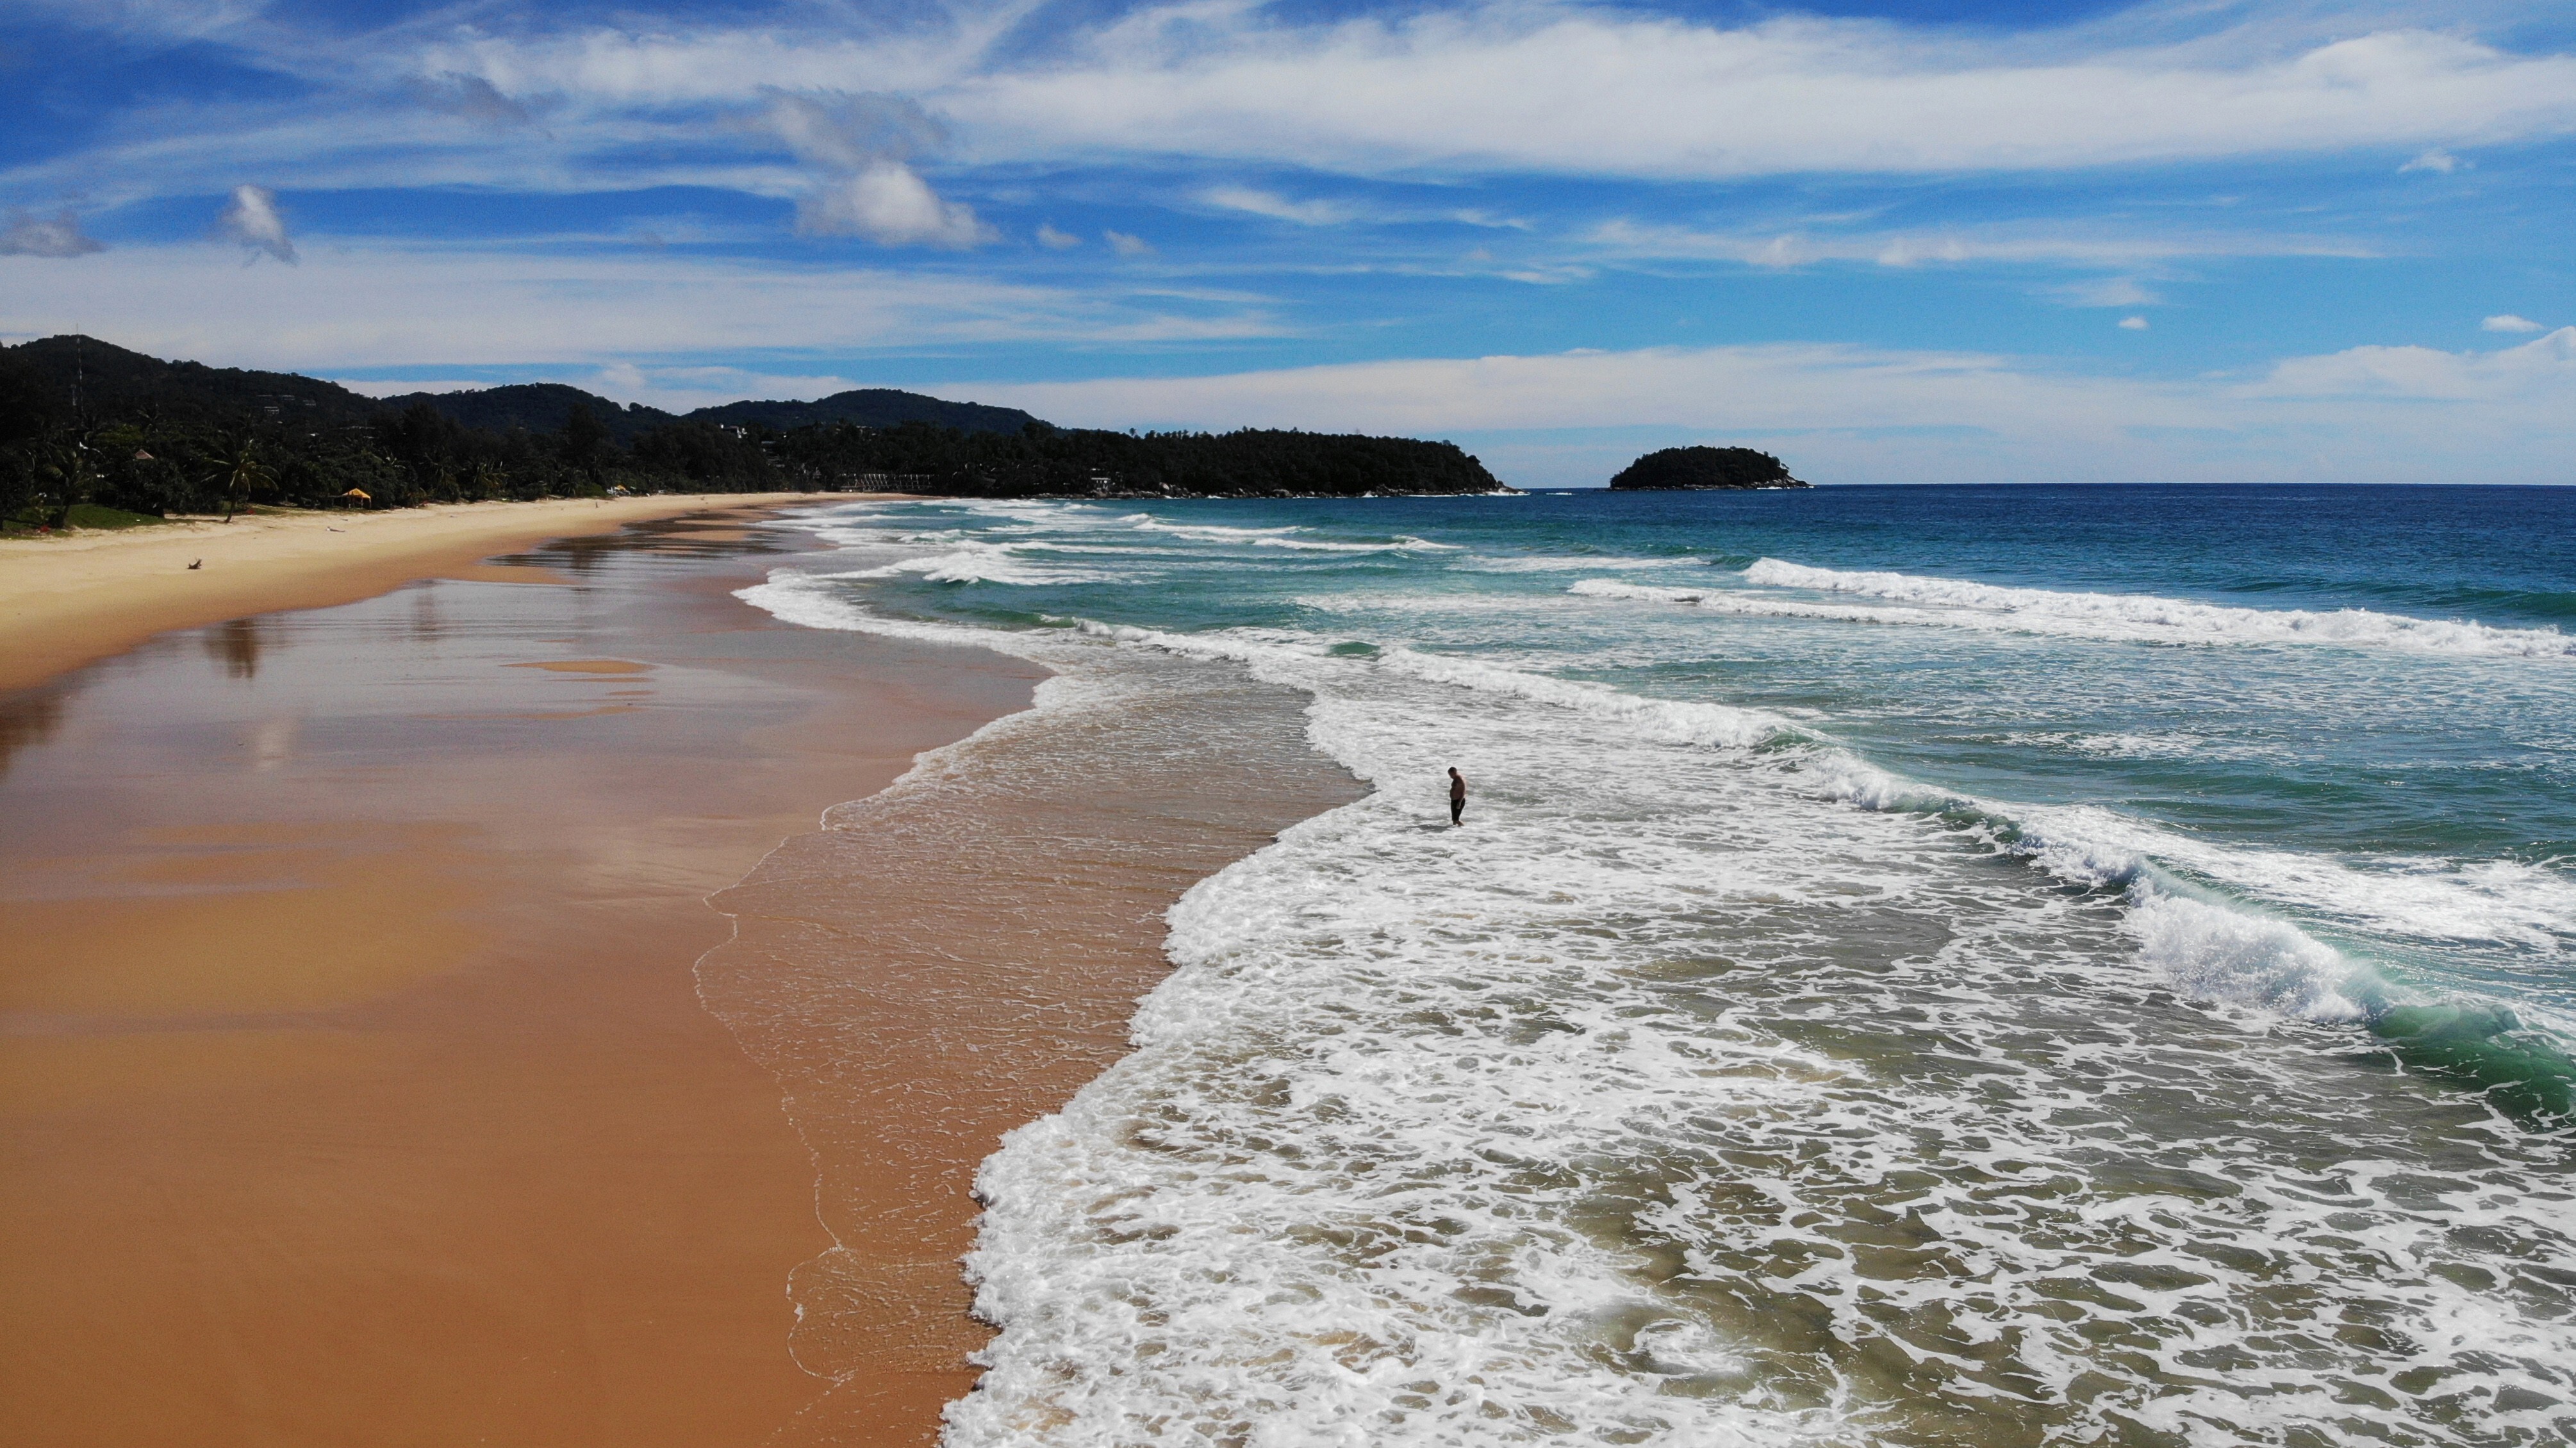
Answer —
1891 242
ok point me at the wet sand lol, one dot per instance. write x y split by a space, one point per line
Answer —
79 596
353 1084
956 957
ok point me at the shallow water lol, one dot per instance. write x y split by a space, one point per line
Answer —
1924 966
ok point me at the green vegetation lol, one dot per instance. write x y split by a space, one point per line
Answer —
1706 467
78 515
92 515
1044 460
86 424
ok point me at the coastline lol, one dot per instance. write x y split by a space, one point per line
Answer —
74 598
951 960
354 1076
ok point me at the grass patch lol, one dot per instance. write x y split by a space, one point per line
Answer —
91 515
80 515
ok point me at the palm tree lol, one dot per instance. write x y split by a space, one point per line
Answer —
239 469
67 465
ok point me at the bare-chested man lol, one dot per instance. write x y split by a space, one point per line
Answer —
1457 796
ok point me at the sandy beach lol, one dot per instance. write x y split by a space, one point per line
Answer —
354 1085
78 596
361 1079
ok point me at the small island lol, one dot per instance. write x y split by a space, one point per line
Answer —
1697 468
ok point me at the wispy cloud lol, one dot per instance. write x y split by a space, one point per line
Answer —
58 235
1864 414
2542 367
2017 244
472 97
433 309
1277 207
253 220
2133 324
1511 85
1560 89
1055 240
1126 245
2508 322
2107 292
2434 160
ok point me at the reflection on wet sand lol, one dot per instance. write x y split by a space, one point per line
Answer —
27 718
237 645
352 1077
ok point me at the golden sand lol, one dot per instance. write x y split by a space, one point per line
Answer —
353 1087
79 596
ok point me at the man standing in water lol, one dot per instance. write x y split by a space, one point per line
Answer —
1457 796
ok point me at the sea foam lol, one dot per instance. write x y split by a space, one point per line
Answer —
2142 618
1716 1085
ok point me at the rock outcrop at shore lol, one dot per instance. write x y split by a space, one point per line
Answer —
1703 468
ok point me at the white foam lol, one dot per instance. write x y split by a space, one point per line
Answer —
2149 618
1420 1111
1716 1086
1569 563
1294 538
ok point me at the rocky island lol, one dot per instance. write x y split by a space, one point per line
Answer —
1695 468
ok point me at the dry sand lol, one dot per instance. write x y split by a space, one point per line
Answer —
84 595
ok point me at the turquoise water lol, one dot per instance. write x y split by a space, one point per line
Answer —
1923 965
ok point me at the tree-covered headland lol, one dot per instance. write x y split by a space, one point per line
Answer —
1706 467
84 422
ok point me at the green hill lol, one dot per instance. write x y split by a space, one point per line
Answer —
868 407
537 407
86 422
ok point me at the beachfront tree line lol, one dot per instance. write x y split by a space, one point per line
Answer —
214 446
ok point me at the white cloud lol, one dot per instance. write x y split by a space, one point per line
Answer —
252 220
1530 85
2015 244
685 389
843 132
861 143
1125 245
673 389
2544 366
2107 292
1856 414
472 97
1485 86
427 309
1554 88
891 206
1264 203
1768 387
2133 324
1055 240
2508 322
58 235
2433 160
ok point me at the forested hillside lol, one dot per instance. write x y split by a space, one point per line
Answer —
82 421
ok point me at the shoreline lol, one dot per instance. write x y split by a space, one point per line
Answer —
72 599
354 1071
951 960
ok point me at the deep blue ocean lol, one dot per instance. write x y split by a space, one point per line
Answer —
1923 964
